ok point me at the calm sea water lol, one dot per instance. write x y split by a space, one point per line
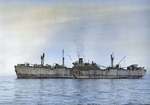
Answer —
74 91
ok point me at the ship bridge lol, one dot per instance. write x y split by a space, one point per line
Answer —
85 66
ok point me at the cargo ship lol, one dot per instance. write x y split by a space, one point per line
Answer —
79 70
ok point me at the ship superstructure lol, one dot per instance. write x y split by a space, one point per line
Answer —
79 70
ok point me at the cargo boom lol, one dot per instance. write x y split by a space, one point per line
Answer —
79 70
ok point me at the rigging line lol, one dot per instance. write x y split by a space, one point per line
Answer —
124 62
104 61
118 57
46 60
68 55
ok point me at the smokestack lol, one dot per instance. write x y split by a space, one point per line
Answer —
63 57
80 60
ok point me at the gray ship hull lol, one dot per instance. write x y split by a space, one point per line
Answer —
44 72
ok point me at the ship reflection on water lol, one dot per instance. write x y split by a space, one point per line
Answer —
74 91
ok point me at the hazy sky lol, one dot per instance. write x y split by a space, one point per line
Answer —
95 28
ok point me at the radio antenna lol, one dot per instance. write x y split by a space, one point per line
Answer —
63 57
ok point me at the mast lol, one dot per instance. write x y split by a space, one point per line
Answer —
78 55
42 59
63 57
112 59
